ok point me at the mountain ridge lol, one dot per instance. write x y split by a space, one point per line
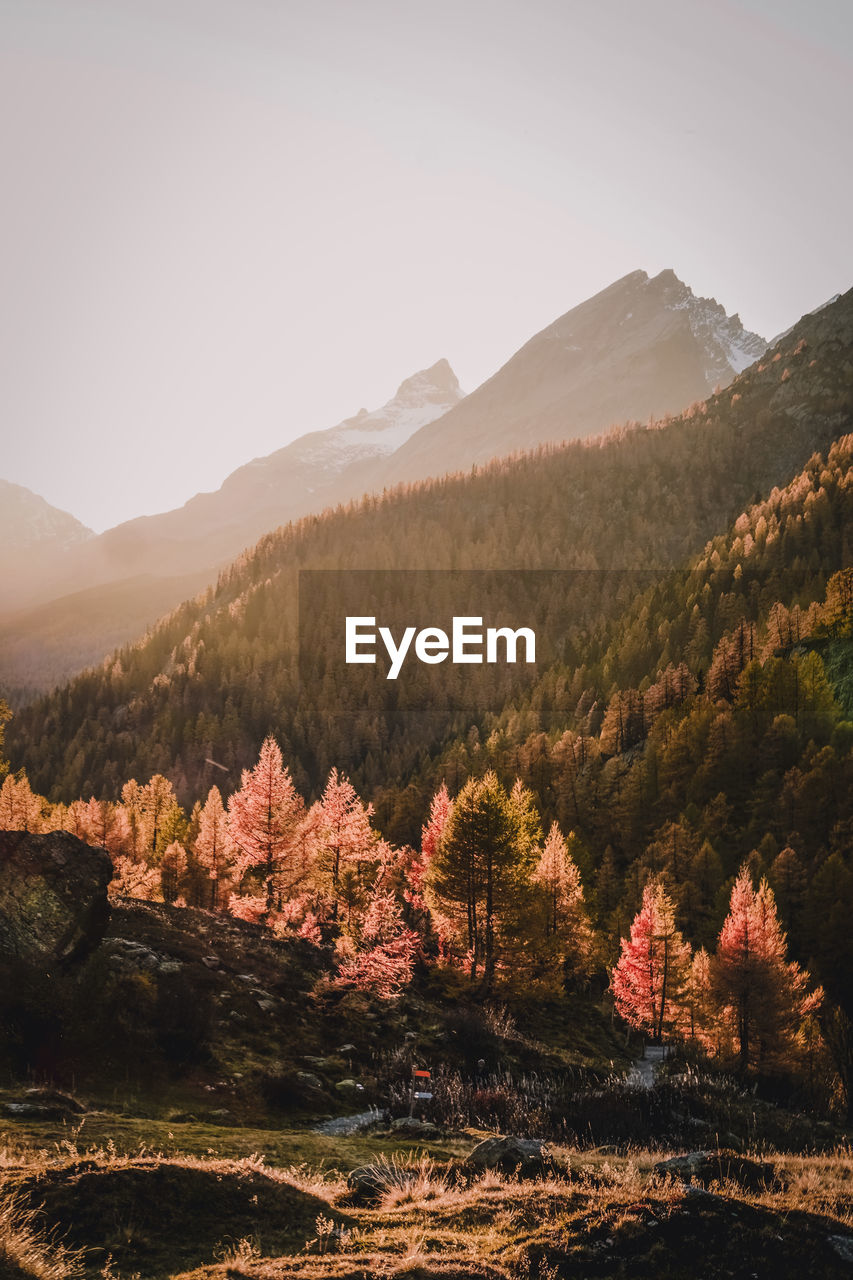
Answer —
638 349
587 371
220 673
28 521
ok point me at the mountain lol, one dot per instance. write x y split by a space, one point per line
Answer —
28 523
77 598
211 528
316 470
641 348
223 670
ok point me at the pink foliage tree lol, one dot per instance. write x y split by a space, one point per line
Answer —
650 975
214 848
263 822
441 808
763 999
344 840
384 958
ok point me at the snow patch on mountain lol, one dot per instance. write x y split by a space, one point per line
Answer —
727 347
419 400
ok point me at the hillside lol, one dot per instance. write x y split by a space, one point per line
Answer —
192 1144
213 679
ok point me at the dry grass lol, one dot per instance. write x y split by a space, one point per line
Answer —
25 1251
598 1214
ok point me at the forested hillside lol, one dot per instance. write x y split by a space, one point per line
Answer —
686 742
221 672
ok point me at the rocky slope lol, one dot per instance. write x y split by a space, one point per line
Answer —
642 347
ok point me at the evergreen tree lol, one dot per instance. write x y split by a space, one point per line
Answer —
480 874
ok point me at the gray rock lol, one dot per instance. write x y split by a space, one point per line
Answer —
309 1080
349 1087
55 1098
128 956
843 1246
718 1166
53 898
37 1111
413 1127
525 1155
220 1115
370 1181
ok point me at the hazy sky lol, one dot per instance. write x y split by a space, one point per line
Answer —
228 222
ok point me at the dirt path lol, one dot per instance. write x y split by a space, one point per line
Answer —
343 1125
644 1070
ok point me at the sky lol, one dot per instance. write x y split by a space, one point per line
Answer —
225 223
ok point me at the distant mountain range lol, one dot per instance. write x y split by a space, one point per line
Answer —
642 347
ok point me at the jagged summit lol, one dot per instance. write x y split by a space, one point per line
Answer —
438 382
642 347
419 400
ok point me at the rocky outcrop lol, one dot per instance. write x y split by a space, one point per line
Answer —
706 1167
525 1156
53 898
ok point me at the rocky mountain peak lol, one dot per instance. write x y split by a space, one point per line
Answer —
438 385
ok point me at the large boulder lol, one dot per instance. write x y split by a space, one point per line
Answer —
524 1156
53 898
706 1167
369 1182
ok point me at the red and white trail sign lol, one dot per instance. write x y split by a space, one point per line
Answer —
420 1088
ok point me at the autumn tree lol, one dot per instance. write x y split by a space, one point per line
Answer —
763 998
649 977
344 840
441 807
566 932
20 808
106 825
263 821
382 960
214 848
149 808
